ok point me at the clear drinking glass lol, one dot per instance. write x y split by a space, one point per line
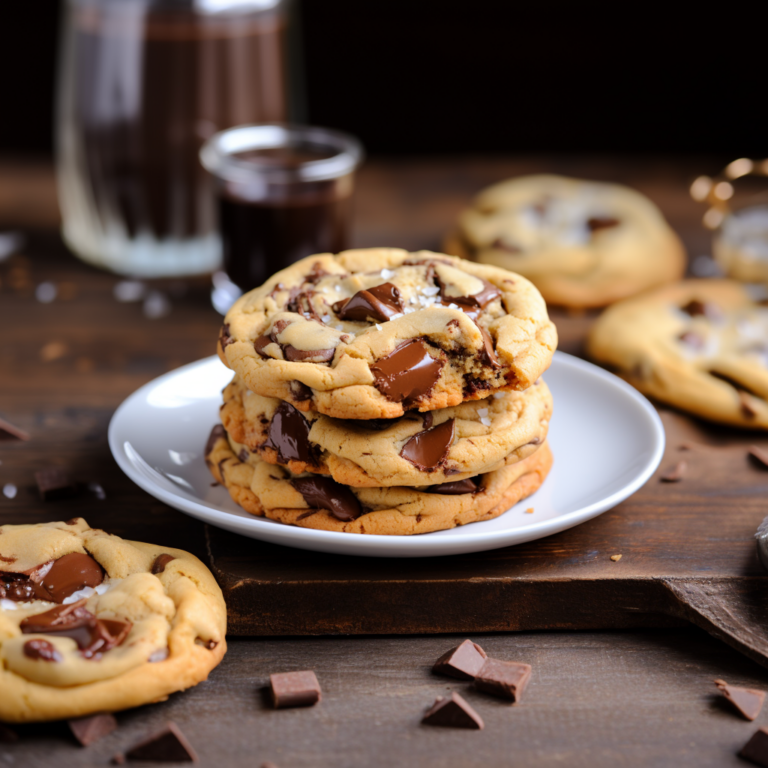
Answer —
142 85
282 193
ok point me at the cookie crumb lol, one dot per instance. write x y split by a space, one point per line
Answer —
529 511
675 474
53 350
615 558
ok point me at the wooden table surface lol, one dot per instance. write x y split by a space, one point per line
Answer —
636 697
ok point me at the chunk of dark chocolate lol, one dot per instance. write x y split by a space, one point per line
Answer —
507 679
167 746
295 689
377 304
324 493
158 566
456 488
224 338
87 730
601 222
756 749
42 650
462 662
55 483
294 355
20 587
428 450
9 431
408 373
71 573
696 308
488 354
481 299
289 436
453 712
746 701
217 432
260 343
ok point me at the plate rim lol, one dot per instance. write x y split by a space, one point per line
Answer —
318 540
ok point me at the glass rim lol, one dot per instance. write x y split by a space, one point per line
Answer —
218 153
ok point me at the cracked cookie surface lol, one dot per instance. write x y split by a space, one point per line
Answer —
701 345
314 501
92 623
417 449
582 243
373 333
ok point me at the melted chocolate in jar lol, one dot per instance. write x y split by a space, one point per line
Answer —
289 436
408 373
429 449
324 493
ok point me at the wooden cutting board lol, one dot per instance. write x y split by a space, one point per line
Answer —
687 553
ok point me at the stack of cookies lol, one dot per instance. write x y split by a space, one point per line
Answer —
385 392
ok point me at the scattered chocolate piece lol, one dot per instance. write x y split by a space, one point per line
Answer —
756 749
324 493
377 304
453 712
167 746
746 701
601 222
10 432
289 436
42 650
71 573
408 373
675 474
7 735
55 483
456 488
87 730
295 689
429 449
507 679
158 566
696 308
759 454
463 662
693 340
217 432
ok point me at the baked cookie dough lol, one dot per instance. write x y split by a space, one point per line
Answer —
582 243
701 345
741 245
372 333
314 501
92 623
416 449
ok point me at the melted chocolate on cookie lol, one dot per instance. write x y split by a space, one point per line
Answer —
601 222
408 373
377 304
457 487
289 436
324 493
71 573
41 650
428 450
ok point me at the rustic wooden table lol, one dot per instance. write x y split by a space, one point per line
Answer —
631 697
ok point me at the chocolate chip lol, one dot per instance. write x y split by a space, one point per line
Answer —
481 299
601 222
746 701
455 488
760 455
167 746
20 587
377 304
243 454
324 493
295 689
675 474
289 436
426 419
693 340
224 338
408 373
160 562
507 679
300 391
463 662
87 730
747 404
55 483
294 355
488 353
260 343
696 308
216 434
9 431
453 712
756 749
41 650
71 573
429 449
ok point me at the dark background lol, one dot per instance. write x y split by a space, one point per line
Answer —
418 76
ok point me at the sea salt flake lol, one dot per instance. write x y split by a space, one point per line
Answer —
396 316
326 318
339 327
8 605
482 412
485 421
378 327
432 290
386 274
453 306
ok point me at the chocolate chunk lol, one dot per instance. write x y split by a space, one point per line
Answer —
167 746
426 419
463 662
19 587
377 304
217 432
746 701
696 308
243 454
756 749
601 222
224 338
747 404
87 730
408 373
10 432
453 712
675 474
429 449
289 436
481 299
260 343
295 689
324 493
300 391
55 483
760 455
7 735
502 245
158 566
71 573
488 354
294 355
456 488
317 273
507 679
302 304
42 650
693 339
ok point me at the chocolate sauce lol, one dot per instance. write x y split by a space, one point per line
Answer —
289 436
408 373
377 304
324 493
429 449
71 573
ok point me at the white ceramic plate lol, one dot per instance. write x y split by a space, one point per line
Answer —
606 438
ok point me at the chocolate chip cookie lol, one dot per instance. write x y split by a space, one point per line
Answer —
583 244
373 333
701 345
315 501
92 623
417 449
